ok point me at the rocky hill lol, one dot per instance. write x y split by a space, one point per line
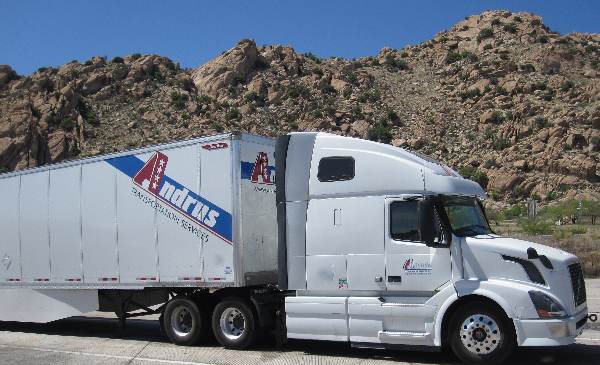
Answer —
499 96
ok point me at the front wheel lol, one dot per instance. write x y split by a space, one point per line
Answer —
481 333
234 324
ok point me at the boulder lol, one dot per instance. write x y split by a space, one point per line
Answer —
504 181
93 84
223 71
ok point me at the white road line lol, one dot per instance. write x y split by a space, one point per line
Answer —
120 357
588 339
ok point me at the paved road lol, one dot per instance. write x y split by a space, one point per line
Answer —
94 340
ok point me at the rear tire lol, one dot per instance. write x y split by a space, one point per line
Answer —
481 333
234 324
184 322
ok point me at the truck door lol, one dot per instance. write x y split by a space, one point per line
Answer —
411 266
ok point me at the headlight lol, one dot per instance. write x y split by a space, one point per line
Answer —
545 306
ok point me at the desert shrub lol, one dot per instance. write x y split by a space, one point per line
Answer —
484 34
487 47
232 113
542 39
381 132
369 96
500 143
312 57
135 56
540 122
88 63
67 124
510 28
536 227
117 60
549 94
298 90
567 85
261 64
470 94
178 99
497 117
452 57
515 211
472 173
527 68
391 115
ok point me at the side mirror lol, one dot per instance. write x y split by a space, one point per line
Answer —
432 230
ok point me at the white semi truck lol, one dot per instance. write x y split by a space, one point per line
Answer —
347 240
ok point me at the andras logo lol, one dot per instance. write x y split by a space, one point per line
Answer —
259 172
151 178
416 268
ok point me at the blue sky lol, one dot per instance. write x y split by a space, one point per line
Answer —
51 33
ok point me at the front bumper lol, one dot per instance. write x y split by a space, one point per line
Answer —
550 332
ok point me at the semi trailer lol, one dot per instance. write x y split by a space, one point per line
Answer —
313 236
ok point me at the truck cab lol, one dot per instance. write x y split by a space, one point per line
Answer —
383 247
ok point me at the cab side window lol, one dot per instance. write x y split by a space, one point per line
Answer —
337 168
404 221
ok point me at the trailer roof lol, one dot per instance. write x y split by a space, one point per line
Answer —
86 160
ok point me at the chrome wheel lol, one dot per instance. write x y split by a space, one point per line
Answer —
182 321
480 334
232 323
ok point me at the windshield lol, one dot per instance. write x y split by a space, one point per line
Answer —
466 216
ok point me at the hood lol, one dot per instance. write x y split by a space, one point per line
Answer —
518 248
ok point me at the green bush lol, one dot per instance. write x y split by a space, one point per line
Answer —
500 143
470 94
312 57
536 227
515 211
472 173
67 124
232 113
510 28
567 85
484 34
380 132
178 100
298 90
542 39
487 47
391 115
135 56
452 57
497 117
117 60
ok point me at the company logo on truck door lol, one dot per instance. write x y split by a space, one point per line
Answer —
259 172
416 268
152 177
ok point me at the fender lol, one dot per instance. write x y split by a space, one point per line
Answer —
493 290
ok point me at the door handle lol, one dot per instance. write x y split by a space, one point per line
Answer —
394 279
378 279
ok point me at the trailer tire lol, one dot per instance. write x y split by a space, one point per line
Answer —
184 322
481 333
234 323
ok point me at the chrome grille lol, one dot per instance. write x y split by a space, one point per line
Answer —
578 283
